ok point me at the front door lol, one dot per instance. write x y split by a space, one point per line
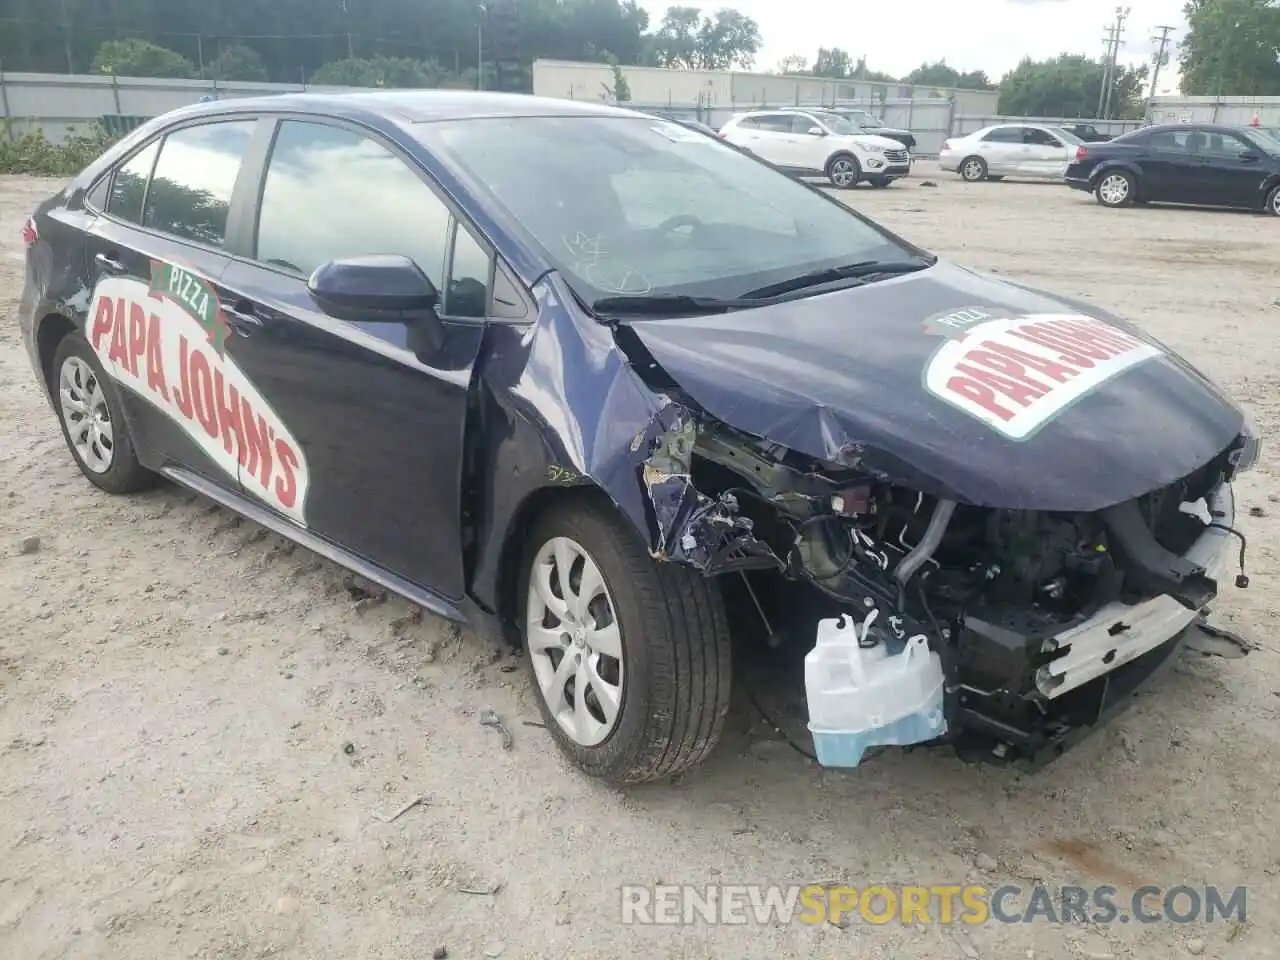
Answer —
1230 170
376 415
153 255
774 139
1002 149
1044 155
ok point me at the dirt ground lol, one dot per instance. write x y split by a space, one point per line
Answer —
199 728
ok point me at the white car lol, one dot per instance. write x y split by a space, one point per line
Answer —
1010 150
819 143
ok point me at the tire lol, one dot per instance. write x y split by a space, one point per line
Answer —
843 171
880 182
1273 201
1115 188
672 645
106 456
973 169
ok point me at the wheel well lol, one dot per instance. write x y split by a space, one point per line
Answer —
513 544
840 154
49 334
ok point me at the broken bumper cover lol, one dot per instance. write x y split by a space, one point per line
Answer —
1119 633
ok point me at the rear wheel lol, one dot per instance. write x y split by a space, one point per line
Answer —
1273 201
89 412
629 657
973 169
843 171
1115 189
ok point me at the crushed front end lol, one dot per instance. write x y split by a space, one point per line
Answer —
1041 623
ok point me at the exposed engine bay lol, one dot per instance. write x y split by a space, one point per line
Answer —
1041 620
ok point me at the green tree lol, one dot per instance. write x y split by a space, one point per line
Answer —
832 62
941 74
138 58
687 39
1232 47
1068 86
388 72
237 62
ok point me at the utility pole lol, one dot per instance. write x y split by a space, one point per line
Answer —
1122 14
1160 54
1109 41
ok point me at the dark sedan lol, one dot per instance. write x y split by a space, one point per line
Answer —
1201 164
598 382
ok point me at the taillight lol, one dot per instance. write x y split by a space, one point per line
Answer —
1081 153
29 233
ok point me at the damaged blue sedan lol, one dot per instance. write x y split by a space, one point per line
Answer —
631 398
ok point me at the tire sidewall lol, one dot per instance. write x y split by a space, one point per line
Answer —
125 473
624 743
964 168
1273 197
857 167
1128 197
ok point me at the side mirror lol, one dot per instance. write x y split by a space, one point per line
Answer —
816 132
386 288
1250 156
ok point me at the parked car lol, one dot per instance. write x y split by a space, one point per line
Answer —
599 383
1086 132
1010 150
1193 163
868 122
817 143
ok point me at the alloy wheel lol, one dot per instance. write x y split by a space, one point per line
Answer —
1114 189
973 170
844 173
86 415
574 641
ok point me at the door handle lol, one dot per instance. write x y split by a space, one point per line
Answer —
109 264
242 319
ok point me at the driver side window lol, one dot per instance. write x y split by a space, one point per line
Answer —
330 192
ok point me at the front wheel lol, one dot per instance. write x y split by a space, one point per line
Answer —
1115 189
1273 201
843 171
630 657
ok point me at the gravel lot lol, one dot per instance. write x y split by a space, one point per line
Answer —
198 726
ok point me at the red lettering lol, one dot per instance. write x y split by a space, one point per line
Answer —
103 319
205 404
1052 370
182 397
155 360
1093 331
1009 367
258 441
1065 352
1015 390
229 415
980 394
119 352
137 336
286 483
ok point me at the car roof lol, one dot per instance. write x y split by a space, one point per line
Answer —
414 106
1200 127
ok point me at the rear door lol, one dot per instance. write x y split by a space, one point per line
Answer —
770 136
1231 170
155 253
1170 170
1002 150
375 415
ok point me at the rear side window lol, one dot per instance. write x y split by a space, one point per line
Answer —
191 189
332 193
1004 135
129 186
776 122
1169 140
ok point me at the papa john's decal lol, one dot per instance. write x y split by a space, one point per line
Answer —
1016 374
167 343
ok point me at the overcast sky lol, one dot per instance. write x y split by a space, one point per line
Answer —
990 35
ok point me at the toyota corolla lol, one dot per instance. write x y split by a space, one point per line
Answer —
632 398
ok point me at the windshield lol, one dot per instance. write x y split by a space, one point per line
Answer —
1268 138
644 207
1067 135
840 126
861 118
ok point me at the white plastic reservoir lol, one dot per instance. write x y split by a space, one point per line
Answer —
888 694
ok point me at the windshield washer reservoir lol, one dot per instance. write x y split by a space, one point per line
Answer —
866 696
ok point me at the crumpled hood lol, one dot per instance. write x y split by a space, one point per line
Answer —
963 386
